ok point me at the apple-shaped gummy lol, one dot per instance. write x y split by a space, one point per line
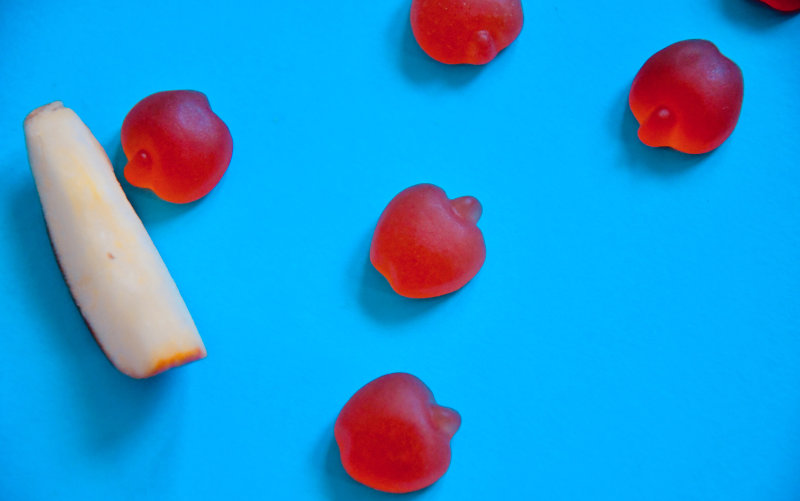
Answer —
783 5
427 245
175 145
465 31
392 435
687 96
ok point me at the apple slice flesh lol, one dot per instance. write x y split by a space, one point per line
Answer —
114 272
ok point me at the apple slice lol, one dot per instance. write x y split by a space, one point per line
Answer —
113 270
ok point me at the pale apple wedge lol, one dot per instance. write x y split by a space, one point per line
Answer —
114 272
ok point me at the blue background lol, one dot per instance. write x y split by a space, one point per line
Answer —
633 335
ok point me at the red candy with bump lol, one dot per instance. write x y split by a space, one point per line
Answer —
465 31
392 435
427 245
783 5
687 96
175 145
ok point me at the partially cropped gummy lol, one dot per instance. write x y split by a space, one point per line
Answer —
175 145
784 5
393 436
687 96
427 245
465 31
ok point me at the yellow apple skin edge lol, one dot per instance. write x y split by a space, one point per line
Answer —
114 272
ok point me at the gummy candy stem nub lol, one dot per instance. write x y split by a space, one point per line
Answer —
467 207
137 172
657 128
481 47
446 419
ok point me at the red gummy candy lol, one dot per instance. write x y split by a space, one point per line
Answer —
427 245
175 145
392 435
687 96
783 5
465 31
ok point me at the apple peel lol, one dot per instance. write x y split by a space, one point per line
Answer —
112 268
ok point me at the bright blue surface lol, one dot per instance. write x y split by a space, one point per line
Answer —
633 335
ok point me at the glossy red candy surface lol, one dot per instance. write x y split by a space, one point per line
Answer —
687 96
465 31
392 435
427 245
784 5
175 145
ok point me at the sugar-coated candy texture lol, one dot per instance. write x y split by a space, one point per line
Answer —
392 435
465 31
687 96
175 145
784 5
427 245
